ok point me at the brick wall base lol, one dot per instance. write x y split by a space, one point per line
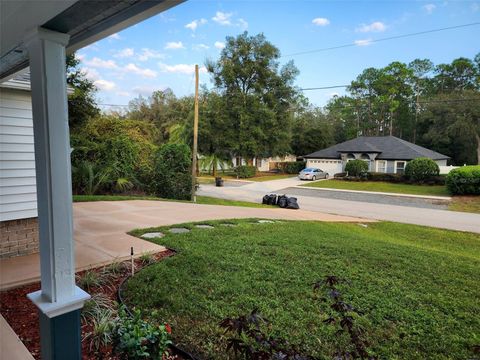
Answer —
18 237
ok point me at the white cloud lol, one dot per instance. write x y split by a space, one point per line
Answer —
376 26
222 18
219 45
196 23
115 36
146 90
104 84
100 63
139 71
363 42
181 68
124 53
243 23
147 54
429 8
174 45
321 21
475 7
91 74
201 47
123 93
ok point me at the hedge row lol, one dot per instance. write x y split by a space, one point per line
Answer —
464 180
245 171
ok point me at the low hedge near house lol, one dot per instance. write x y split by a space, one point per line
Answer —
464 180
294 167
421 169
356 168
245 171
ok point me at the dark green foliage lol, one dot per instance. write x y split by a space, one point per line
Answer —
292 167
407 279
245 171
464 181
356 168
395 178
172 178
421 169
137 338
81 103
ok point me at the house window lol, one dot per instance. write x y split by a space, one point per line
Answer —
400 167
381 166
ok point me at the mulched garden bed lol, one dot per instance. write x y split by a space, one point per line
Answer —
22 315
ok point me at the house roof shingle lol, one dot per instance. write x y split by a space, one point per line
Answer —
387 147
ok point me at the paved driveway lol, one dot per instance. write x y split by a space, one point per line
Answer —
405 214
100 231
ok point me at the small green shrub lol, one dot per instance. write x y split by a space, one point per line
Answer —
377 176
96 304
147 258
294 167
172 177
137 338
421 169
356 167
103 330
464 180
245 171
90 279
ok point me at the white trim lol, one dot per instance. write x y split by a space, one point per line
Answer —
57 308
377 163
395 166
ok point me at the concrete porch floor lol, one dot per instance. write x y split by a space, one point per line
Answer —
100 231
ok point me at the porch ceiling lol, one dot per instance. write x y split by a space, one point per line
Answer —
86 21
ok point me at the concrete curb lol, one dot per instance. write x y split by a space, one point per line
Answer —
429 197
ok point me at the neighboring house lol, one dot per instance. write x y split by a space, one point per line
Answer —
18 194
387 154
264 164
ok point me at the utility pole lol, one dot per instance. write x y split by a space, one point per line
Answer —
195 138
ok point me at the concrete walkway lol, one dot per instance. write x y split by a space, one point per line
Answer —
100 231
314 202
11 347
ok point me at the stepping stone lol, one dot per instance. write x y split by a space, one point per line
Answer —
204 226
265 221
179 230
153 235
363 225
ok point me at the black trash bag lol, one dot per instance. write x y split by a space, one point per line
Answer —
272 199
266 199
292 203
282 201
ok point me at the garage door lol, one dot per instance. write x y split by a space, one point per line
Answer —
332 167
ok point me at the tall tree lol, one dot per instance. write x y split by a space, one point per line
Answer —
81 103
258 95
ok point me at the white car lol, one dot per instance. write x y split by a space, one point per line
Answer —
312 174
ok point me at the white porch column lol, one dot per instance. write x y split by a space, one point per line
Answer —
59 295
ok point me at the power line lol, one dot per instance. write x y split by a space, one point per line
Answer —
324 87
381 39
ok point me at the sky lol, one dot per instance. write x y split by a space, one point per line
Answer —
161 51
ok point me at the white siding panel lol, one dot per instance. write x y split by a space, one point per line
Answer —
16 130
21 189
18 198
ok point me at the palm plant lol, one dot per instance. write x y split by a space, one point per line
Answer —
213 162
88 177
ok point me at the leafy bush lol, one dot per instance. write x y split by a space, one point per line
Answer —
137 338
245 171
356 167
377 176
172 176
421 169
464 180
103 325
294 167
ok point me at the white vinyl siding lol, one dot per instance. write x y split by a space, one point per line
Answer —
18 198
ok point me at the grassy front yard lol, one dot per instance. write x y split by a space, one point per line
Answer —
380 186
200 200
418 287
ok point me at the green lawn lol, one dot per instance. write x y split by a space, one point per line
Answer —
379 186
200 200
419 287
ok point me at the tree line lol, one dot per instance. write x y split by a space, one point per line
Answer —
255 109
